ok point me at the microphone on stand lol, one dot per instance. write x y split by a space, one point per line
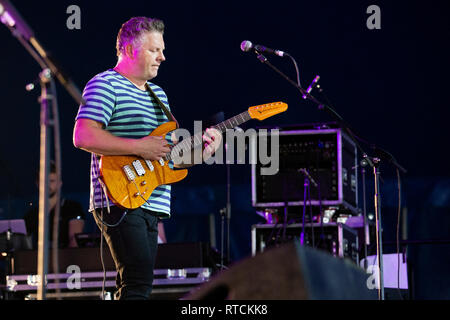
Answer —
311 86
247 46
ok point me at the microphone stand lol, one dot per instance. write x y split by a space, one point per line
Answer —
228 210
307 197
223 213
226 213
374 164
365 219
43 250
20 29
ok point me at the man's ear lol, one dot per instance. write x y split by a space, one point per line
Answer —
129 50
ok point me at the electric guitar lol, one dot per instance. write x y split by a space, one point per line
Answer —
130 180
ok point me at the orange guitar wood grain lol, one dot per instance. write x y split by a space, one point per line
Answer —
125 193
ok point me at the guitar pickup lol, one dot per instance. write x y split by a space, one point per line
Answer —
129 173
138 167
150 165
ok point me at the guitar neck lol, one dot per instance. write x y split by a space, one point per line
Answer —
232 122
197 139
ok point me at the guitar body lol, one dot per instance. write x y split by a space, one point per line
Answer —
134 193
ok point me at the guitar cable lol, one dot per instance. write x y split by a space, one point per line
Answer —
101 255
108 207
103 224
103 187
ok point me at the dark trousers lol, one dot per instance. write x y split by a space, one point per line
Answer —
133 244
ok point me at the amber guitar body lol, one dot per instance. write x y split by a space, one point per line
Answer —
133 194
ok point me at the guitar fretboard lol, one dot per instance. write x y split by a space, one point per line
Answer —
197 139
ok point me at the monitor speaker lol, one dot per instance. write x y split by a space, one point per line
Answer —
288 272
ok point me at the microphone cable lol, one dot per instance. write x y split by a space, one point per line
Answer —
296 68
398 231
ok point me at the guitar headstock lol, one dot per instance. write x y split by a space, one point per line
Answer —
264 111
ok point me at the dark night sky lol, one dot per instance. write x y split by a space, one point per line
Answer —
389 84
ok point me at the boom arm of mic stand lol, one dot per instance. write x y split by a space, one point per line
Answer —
20 29
303 92
64 80
263 59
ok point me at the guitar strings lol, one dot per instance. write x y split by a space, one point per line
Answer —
191 143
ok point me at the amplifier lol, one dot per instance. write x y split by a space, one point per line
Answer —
330 158
336 238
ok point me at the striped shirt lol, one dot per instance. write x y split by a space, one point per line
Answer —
125 111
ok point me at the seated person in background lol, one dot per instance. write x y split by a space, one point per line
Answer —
71 216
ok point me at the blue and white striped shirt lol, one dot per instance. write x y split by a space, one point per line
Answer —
125 111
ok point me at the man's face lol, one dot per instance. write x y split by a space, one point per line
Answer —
150 55
52 184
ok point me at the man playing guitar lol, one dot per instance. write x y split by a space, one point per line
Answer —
122 108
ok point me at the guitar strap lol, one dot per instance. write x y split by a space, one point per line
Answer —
168 114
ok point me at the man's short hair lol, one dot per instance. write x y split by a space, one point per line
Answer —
133 30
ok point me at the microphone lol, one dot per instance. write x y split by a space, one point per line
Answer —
311 86
247 46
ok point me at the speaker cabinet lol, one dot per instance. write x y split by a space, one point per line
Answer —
330 157
289 272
